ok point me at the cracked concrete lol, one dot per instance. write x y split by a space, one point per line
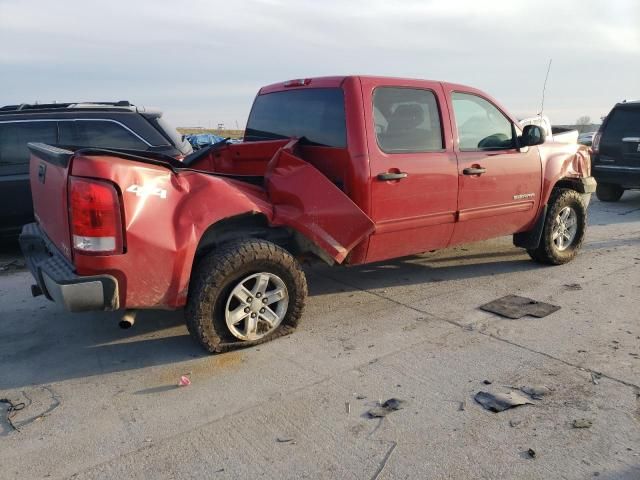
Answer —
408 329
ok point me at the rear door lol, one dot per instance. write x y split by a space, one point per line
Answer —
16 207
499 184
620 143
414 185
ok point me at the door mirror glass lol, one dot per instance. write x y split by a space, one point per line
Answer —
532 135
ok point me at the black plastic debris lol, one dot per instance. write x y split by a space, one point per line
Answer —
386 408
532 453
501 401
514 306
487 382
573 286
285 440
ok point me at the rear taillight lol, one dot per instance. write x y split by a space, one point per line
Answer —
595 143
94 210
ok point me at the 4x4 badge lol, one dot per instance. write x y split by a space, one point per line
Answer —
143 191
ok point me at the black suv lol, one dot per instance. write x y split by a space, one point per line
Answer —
118 125
616 152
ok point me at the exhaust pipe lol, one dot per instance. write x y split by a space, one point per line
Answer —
128 319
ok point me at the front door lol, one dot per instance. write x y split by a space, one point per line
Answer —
414 184
499 184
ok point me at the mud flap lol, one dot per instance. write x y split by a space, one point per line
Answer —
308 202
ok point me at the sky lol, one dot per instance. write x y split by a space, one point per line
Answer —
202 61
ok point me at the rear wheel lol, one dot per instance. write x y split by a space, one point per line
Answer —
609 192
245 293
564 228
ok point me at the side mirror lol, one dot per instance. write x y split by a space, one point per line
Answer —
531 135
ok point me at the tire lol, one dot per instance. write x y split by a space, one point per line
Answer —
609 192
548 251
224 272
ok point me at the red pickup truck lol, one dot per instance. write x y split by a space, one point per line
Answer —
349 170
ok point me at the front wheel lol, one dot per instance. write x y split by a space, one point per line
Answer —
564 229
608 192
244 293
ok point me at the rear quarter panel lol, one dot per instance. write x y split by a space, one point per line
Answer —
164 217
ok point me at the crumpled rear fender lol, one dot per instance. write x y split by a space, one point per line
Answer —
308 202
563 161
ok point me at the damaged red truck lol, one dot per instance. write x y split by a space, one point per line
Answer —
349 170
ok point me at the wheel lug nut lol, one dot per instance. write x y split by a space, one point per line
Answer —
254 315
262 310
249 299
258 295
247 310
265 300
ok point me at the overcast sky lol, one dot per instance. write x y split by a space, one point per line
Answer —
202 61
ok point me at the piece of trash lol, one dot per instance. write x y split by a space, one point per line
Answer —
582 423
386 408
347 407
487 382
360 397
595 377
515 423
148 440
514 306
536 391
532 453
573 286
285 440
184 381
501 401
462 406
11 411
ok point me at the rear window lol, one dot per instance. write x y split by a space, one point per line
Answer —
316 114
14 137
622 122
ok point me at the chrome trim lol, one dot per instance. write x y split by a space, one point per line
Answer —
631 139
614 167
83 120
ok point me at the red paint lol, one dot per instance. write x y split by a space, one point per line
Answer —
330 197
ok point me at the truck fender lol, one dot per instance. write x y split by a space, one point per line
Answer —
308 202
567 166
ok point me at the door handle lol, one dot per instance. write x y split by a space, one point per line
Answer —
392 176
474 171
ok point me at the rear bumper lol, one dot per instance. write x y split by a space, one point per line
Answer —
57 280
627 177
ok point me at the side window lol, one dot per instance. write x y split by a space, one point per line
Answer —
406 120
14 136
104 134
481 126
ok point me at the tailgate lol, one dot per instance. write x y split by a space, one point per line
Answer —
48 171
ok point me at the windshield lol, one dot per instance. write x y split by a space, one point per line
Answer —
316 114
172 134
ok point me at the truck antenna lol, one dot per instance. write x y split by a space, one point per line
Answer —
544 87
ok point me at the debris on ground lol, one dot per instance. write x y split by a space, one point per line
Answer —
386 408
582 423
515 423
12 266
184 381
347 407
595 376
573 286
286 440
501 401
532 453
487 382
11 411
514 306
462 406
536 391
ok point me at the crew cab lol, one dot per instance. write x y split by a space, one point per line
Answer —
348 170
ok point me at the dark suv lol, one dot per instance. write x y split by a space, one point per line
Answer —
616 152
116 125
